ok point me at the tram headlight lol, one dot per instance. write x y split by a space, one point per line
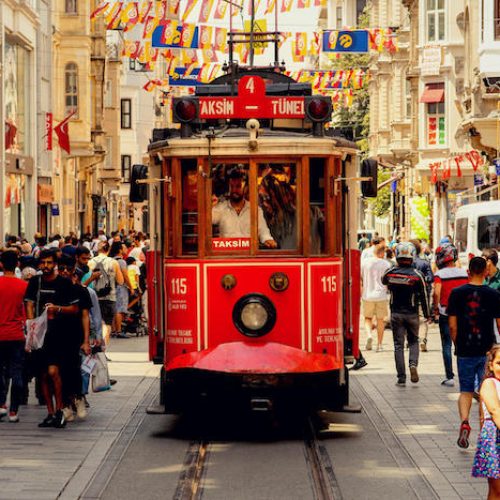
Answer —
319 108
254 315
185 110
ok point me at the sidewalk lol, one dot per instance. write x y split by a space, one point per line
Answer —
59 463
424 417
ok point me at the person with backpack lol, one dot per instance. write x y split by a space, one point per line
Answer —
105 286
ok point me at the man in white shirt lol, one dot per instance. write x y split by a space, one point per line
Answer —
374 296
233 214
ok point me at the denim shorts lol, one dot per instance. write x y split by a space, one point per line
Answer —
470 372
121 299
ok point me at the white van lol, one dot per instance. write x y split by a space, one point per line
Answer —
477 226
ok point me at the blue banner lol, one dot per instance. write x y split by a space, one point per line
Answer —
179 80
496 162
345 41
158 38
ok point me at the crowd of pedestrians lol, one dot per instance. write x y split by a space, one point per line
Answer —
465 302
84 287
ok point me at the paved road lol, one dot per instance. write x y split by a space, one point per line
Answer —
401 446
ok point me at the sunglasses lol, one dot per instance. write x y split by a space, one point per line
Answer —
65 268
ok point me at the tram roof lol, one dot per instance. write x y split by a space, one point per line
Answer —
161 137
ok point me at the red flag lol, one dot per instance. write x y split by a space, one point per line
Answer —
99 9
458 159
10 134
62 133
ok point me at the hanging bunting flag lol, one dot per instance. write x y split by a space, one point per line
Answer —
458 160
345 41
174 7
10 134
209 55
113 18
220 9
205 37
271 4
170 35
286 5
189 8
187 34
221 39
301 44
206 8
49 125
150 25
130 16
100 9
189 56
144 10
161 10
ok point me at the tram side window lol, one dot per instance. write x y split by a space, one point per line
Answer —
317 217
277 190
231 216
189 175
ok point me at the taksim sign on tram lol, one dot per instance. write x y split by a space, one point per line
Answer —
251 102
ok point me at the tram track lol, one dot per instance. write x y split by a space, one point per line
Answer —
189 486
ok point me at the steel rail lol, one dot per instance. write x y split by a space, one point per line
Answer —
189 485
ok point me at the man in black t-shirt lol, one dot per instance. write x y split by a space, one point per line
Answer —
472 309
78 340
57 296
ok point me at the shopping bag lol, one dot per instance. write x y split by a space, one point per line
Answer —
36 330
100 374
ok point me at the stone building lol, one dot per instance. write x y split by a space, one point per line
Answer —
20 84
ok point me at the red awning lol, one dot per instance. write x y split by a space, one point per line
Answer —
431 95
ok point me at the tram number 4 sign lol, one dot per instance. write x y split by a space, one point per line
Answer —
251 102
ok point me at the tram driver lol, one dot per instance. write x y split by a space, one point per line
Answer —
232 214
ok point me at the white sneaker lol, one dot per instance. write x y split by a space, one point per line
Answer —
380 348
3 411
13 417
448 382
81 411
369 344
69 416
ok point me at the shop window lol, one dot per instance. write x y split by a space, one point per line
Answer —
317 218
338 16
435 20
126 113
71 7
126 165
131 64
407 99
433 98
71 88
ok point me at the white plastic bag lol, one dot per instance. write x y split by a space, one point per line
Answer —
36 330
100 374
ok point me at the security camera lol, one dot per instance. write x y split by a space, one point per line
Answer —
253 124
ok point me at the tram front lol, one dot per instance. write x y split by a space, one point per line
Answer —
251 214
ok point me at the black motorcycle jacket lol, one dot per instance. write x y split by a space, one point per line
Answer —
407 288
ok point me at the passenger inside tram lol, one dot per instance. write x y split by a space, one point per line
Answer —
232 213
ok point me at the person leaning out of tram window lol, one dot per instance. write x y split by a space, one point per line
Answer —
232 214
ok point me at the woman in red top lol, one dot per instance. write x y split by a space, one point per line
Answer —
12 318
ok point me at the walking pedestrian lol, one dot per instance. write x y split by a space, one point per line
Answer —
447 278
487 458
56 295
12 318
374 295
105 286
122 291
424 267
407 288
493 273
472 309
76 340
363 242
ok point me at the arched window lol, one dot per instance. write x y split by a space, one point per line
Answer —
71 88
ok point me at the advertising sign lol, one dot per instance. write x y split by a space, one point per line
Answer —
180 79
345 41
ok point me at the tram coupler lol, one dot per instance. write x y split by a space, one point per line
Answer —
261 404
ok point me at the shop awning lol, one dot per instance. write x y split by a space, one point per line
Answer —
432 94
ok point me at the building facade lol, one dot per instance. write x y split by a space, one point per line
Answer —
20 83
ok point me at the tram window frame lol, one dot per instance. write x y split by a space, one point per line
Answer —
167 217
299 195
325 251
208 226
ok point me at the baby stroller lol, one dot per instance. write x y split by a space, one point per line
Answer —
135 321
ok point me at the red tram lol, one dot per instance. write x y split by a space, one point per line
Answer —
253 277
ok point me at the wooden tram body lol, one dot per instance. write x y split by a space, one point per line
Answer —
230 319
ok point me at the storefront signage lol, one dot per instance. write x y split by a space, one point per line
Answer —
18 164
48 131
431 61
496 162
45 193
54 209
251 102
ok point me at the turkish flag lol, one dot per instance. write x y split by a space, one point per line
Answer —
62 133
10 134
